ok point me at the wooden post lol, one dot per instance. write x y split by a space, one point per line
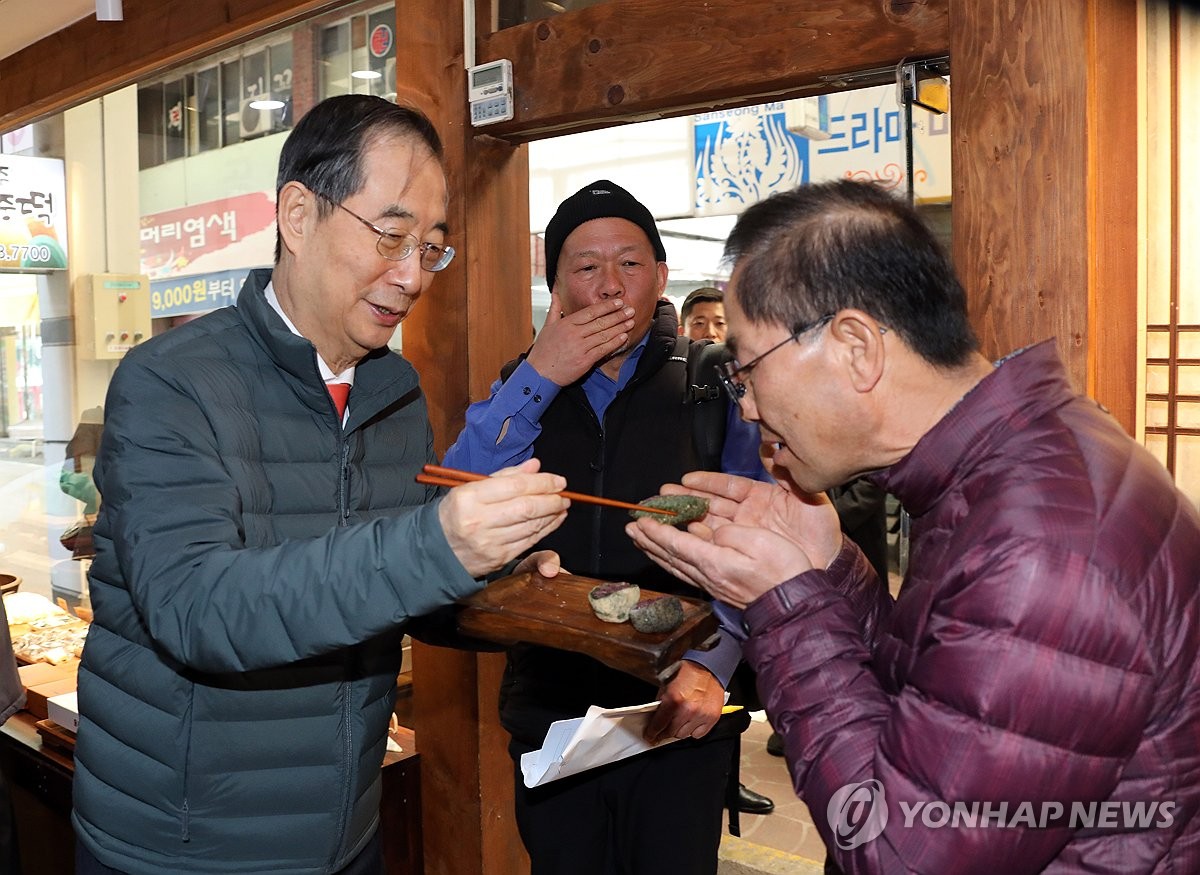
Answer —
1044 161
476 316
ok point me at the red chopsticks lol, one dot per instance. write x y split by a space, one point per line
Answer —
436 475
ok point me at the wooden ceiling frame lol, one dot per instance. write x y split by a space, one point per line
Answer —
1044 206
91 58
1030 83
634 60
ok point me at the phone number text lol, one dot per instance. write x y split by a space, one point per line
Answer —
23 253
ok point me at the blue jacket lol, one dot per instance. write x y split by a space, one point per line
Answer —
255 567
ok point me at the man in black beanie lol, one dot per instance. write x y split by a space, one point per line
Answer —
602 397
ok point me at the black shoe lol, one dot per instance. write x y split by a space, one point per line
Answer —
775 745
750 802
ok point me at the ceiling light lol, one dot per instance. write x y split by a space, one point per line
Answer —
266 103
366 74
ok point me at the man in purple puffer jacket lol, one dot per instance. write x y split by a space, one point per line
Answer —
1031 700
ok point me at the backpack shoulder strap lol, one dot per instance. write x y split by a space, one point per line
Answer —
707 399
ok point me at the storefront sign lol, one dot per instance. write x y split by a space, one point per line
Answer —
196 294
33 219
220 235
866 141
743 155
381 41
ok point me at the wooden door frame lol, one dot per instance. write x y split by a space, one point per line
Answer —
1032 84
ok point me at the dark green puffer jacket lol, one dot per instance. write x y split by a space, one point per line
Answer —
255 568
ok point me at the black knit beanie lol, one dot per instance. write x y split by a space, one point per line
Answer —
598 200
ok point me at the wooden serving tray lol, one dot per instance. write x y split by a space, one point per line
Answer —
554 612
62 740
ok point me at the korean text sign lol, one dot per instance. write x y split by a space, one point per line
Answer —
33 220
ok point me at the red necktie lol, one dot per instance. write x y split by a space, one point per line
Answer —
339 392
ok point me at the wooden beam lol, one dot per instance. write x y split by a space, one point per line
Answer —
500 303
1045 182
1113 118
628 60
476 315
467 820
1019 151
91 57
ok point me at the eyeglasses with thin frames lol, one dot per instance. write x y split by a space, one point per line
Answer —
395 246
732 373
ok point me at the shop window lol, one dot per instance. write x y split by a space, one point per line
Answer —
358 56
261 110
238 99
204 111
335 60
381 53
360 72
175 119
151 125
281 82
231 101
254 75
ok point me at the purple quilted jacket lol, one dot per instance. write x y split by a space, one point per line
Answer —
1031 701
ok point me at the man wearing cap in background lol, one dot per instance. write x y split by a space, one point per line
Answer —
702 316
602 398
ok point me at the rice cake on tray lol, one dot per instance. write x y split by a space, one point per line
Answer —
554 612
43 632
53 643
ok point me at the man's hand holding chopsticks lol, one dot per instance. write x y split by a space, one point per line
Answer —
490 522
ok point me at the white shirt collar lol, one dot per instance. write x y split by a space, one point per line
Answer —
327 374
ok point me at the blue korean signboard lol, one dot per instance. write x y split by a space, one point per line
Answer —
744 155
180 295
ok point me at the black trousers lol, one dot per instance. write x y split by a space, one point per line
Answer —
10 857
368 862
658 813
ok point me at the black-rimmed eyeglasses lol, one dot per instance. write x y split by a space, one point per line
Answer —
732 373
397 246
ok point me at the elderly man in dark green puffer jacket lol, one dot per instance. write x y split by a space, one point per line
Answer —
12 700
261 548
